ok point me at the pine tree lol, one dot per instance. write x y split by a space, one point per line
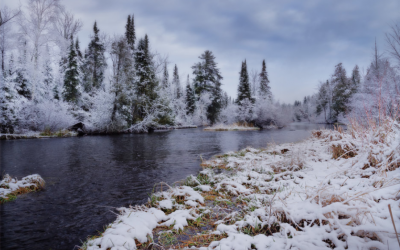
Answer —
208 79
130 32
95 62
176 83
265 89
244 91
190 98
71 77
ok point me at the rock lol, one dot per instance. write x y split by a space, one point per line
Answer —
79 127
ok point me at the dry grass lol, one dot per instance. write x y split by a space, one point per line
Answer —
35 185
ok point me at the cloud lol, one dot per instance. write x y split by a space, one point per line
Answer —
301 41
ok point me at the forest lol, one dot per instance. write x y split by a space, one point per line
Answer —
120 83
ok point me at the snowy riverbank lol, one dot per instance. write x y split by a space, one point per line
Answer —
231 127
11 187
331 190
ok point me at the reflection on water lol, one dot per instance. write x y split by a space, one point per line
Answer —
88 176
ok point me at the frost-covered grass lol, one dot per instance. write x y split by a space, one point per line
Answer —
37 135
11 187
329 191
232 127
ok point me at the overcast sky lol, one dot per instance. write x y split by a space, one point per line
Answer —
301 41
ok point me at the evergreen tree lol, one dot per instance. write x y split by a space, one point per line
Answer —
176 83
8 94
190 98
207 78
48 77
22 82
265 89
78 49
146 82
341 91
323 99
71 77
165 80
355 79
95 62
130 32
122 83
244 91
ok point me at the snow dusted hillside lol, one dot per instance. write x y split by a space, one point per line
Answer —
332 190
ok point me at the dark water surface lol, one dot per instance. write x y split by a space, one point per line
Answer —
87 176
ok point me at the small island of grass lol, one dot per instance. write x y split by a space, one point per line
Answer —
11 187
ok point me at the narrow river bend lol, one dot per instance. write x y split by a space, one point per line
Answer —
87 176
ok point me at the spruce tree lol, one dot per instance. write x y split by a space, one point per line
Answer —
71 77
207 78
146 82
244 91
341 91
130 32
122 83
78 49
265 89
176 83
95 62
355 79
190 98
22 82
165 80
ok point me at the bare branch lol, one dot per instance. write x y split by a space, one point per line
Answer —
66 25
393 39
5 18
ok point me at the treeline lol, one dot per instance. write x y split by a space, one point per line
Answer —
117 83
374 93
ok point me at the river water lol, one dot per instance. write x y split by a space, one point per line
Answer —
86 177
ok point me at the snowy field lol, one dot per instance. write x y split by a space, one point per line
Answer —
11 187
332 190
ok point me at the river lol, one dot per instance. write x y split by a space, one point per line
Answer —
86 177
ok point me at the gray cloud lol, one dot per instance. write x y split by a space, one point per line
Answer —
300 40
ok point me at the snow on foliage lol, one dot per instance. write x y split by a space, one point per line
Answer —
9 187
329 191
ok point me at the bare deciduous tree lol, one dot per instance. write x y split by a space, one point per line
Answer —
6 15
66 24
37 24
393 39
254 79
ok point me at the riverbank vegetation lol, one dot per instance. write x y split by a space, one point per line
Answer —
120 83
244 126
10 187
338 189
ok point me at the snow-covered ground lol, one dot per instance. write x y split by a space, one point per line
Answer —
10 187
231 127
38 135
332 190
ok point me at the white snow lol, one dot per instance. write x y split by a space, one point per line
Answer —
8 185
297 198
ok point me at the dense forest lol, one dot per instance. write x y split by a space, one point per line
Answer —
120 82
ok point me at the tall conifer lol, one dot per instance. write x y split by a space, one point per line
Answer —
265 89
244 91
